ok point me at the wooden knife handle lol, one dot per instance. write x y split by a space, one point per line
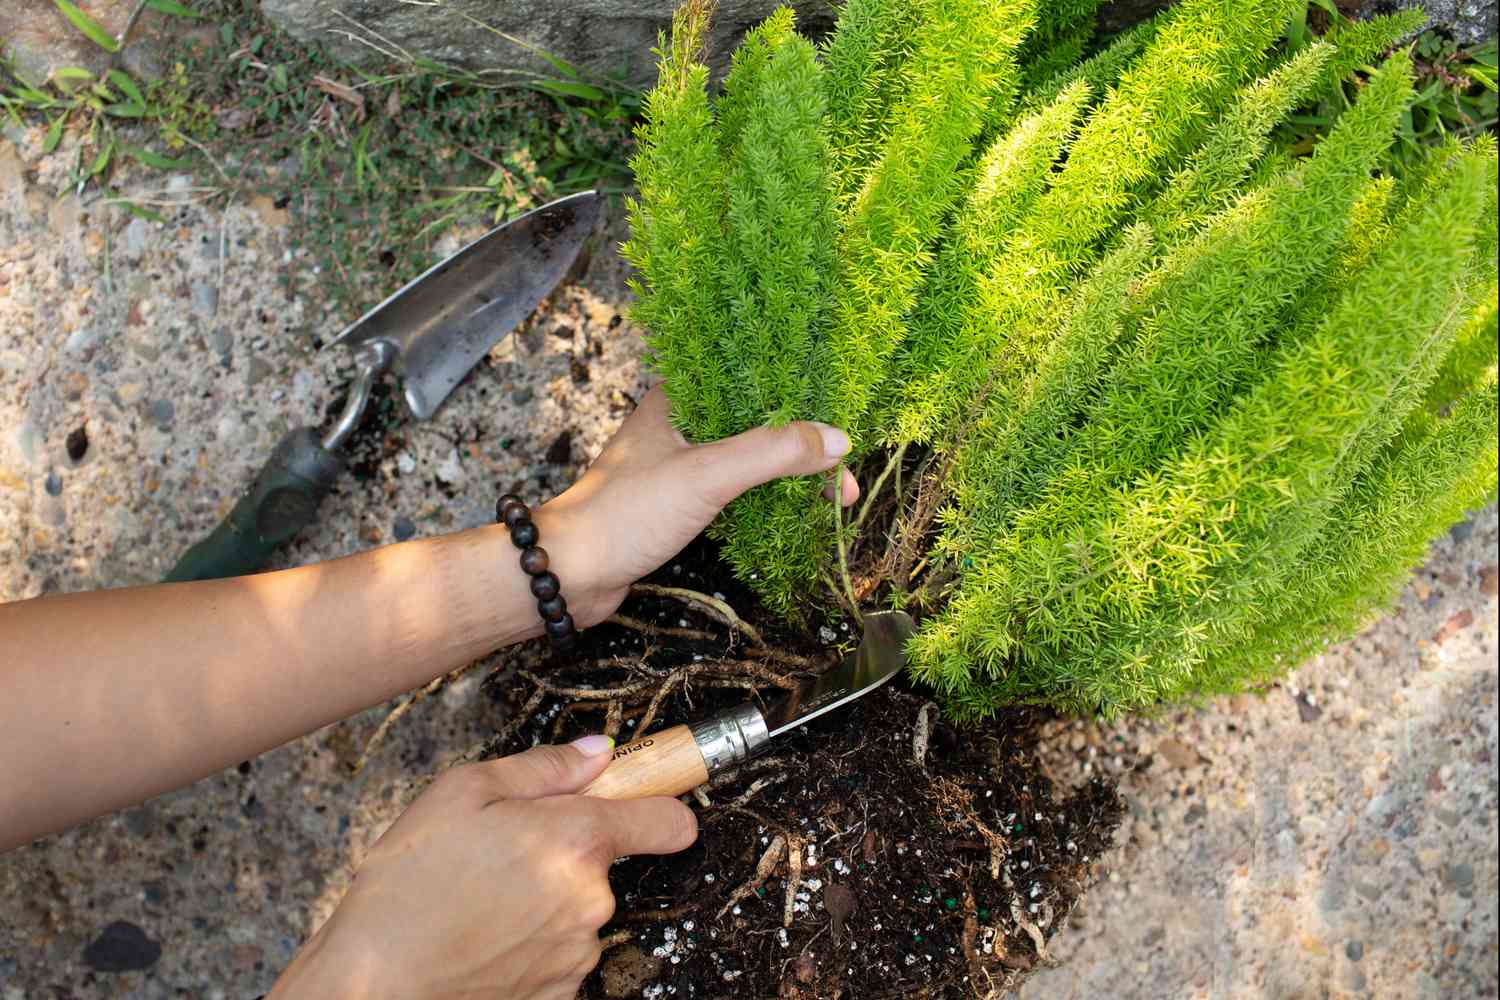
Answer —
664 763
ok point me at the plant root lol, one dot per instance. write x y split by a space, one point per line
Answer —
619 937
763 869
756 787
921 733
673 679
658 916
646 628
613 718
793 877
711 605
735 774
961 800
395 714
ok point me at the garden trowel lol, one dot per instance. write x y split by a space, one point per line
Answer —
679 759
433 330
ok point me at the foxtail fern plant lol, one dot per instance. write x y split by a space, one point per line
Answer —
1149 403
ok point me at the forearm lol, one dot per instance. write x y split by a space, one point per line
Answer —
114 696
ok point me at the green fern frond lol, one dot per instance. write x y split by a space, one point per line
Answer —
1212 176
677 237
1007 180
867 75
964 61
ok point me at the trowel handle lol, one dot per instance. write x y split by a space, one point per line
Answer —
679 759
282 501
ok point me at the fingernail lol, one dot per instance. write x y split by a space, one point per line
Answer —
593 746
835 441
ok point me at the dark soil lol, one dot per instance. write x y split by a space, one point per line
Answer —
941 878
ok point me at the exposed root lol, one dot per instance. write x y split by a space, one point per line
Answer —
756 787
700 795
646 628
699 635
711 605
613 718
793 877
733 775
395 714
953 794
658 916
921 733
763 869
594 694
675 678
619 937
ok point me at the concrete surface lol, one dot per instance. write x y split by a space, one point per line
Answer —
1345 847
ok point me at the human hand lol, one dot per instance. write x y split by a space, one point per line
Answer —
493 884
651 492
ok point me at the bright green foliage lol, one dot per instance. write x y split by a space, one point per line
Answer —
1189 397
1099 72
965 61
1123 606
1063 30
1474 353
779 267
1409 495
1216 305
1213 173
677 238
1006 183
866 59
779 272
1193 61
1361 42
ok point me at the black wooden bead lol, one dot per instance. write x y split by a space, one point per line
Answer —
514 513
524 534
503 502
534 561
560 628
553 608
565 644
544 586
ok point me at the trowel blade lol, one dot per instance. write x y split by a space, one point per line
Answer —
880 656
442 322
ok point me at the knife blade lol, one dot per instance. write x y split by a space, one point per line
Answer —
679 759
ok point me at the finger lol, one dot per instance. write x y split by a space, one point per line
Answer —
644 826
730 467
548 770
851 488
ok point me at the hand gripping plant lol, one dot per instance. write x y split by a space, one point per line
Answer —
1149 404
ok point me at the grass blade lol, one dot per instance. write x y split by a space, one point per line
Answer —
91 28
127 86
54 134
172 7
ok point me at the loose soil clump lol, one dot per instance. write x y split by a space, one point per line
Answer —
875 852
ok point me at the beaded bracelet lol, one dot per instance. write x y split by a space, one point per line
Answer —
511 511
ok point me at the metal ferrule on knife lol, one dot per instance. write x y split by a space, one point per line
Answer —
677 760
730 737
